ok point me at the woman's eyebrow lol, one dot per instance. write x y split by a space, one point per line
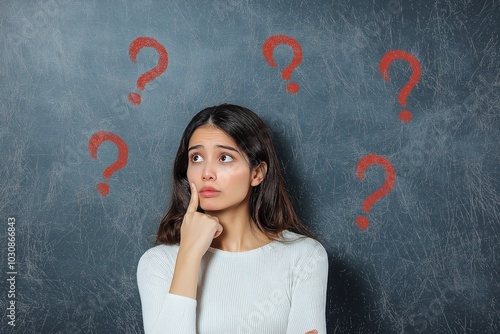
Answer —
195 147
230 148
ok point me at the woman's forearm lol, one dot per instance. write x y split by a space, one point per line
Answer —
185 278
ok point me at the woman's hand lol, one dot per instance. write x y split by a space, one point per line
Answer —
312 332
198 229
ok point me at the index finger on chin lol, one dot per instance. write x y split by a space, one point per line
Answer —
193 202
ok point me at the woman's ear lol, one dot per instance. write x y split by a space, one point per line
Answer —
259 173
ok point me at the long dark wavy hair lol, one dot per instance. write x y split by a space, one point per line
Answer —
270 206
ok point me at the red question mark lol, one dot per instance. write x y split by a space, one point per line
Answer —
384 65
135 47
286 74
95 141
390 179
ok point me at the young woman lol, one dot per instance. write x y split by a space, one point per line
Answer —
232 255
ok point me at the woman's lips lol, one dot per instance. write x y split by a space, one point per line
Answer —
209 192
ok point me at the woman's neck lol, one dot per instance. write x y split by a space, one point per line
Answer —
240 232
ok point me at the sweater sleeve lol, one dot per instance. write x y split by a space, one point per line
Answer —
309 289
162 311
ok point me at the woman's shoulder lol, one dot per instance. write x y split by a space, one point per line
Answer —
160 255
300 239
301 243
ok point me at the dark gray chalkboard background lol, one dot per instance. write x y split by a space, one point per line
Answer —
429 260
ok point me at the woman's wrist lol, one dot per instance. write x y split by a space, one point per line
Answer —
189 255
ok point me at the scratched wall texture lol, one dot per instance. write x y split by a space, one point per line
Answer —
427 263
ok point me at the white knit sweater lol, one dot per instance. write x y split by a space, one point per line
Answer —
277 288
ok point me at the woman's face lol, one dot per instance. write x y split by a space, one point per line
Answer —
219 169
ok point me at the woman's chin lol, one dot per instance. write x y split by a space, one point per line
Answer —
210 208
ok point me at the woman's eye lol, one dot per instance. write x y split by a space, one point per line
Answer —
196 158
226 158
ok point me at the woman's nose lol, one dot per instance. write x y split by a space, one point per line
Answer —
208 173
